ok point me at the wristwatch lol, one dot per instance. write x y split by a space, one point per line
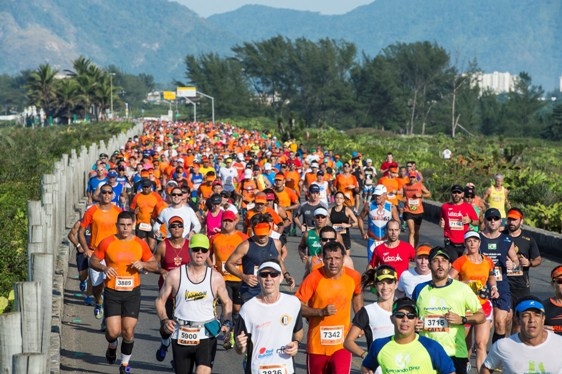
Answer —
464 320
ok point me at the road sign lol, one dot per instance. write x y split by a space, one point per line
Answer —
186 91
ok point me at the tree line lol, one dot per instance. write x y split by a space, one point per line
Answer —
408 88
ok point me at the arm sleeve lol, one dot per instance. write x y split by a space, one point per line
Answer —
370 361
493 361
534 250
194 221
441 362
361 320
306 289
298 322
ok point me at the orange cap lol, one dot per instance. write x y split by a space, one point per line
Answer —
423 249
262 229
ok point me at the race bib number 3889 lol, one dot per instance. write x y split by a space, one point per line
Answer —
124 283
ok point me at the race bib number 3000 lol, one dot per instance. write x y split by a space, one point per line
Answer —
331 335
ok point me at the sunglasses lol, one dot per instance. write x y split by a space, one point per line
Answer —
106 192
490 219
176 226
328 239
272 274
176 194
456 192
557 281
319 216
202 250
401 315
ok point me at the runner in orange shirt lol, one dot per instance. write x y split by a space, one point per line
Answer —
288 198
223 245
347 184
125 255
101 219
390 181
413 192
143 204
327 295
293 178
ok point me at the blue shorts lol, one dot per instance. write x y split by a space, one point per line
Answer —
504 301
81 261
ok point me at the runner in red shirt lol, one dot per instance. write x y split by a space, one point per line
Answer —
393 251
456 216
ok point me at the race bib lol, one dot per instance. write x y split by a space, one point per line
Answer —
456 224
188 335
124 283
145 227
256 270
435 323
331 335
498 273
518 271
413 204
272 369
274 234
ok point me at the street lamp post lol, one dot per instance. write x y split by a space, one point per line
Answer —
111 92
194 109
212 103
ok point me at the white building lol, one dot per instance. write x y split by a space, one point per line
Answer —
497 82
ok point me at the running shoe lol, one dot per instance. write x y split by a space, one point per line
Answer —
89 300
161 352
124 369
111 355
83 285
98 311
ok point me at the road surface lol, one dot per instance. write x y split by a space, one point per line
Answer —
83 345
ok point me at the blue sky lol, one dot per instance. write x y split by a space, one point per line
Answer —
206 8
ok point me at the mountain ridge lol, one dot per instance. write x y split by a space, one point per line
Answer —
154 36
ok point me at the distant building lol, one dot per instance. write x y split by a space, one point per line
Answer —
497 82
154 97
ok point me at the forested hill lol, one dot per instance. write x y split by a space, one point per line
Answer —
154 36
502 35
138 36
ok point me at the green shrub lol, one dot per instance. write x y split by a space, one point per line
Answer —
26 155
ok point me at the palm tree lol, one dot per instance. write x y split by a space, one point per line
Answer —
41 89
68 96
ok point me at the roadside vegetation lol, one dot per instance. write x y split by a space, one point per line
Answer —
26 155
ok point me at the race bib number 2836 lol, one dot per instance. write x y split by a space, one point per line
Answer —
272 369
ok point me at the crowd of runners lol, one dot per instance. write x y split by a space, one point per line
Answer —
209 208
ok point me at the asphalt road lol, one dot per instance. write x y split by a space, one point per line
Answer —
83 345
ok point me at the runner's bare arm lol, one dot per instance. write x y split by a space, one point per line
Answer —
170 286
